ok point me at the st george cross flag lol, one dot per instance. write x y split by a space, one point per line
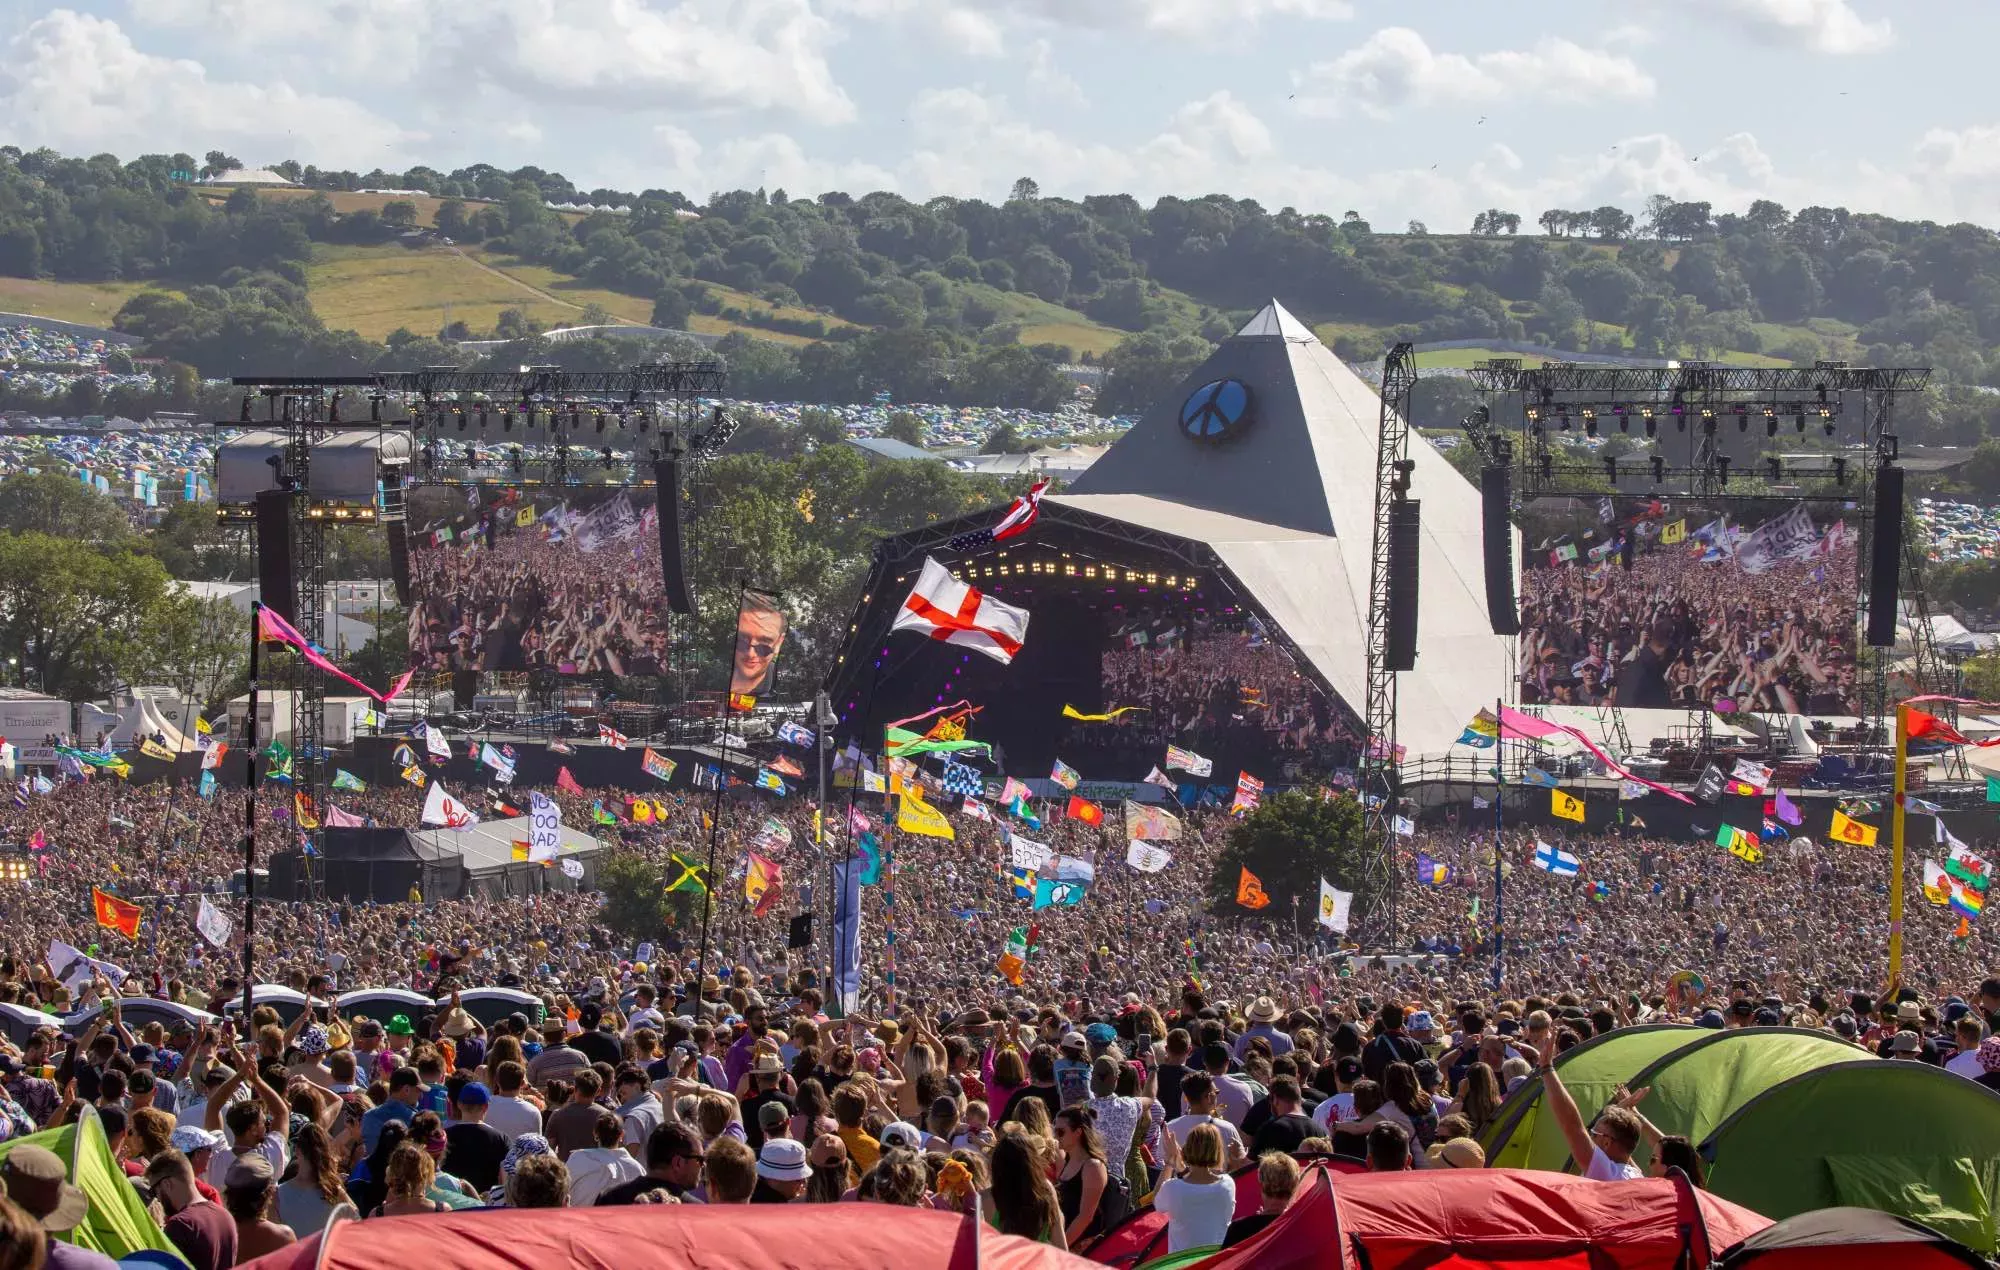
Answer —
1334 906
213 924
1556 861
946 609
1064 775
607 735
442 809
1188 761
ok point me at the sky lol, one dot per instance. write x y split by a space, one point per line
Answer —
1425 111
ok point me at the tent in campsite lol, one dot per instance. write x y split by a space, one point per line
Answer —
1492 1219
116 1223
1849 1239
1906 1138
1521 1137
672 1237
1141 1238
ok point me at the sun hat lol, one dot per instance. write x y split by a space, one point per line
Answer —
767 1064
1456 1153
1989 1053
1262 1010
311 1040
190 1138
458 1023
1907 1043
399 1025
38 1181
1421 1021
1909 1012
1100 1034
783 1159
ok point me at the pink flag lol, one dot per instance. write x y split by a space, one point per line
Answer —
1515 724
273 627
338 819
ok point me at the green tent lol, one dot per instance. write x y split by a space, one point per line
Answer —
117 1224
1906 1138
1521 1137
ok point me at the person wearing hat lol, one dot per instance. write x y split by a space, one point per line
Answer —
782 1172
766 1075
902 1134
145 1056
1422 1028
202 1231
199 1146
1909 1022
35 1179
1073 1069
1907 1045
249 1193
1262 1016
473 1149
1456 1153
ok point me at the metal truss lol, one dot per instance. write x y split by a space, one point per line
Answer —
1634 384
1378 774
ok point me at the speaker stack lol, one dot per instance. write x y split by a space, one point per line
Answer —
1885 561
1496 497
673 570
276 586
1405 532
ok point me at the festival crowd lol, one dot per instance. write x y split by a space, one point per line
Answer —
1154 1042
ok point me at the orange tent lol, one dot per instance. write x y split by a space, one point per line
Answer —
1492 1219
671 1237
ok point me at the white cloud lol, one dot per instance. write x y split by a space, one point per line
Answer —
1819 26
1048 81
1180 19
1397 67
769 160
78 83
703 55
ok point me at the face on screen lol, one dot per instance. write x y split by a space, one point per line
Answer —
760 635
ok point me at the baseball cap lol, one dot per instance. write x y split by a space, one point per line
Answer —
1844 1025
1073 1040
1421 1021
901 1133
783 1159
250 1169
1709 1019
474 1094
1098 1034
142 1053
772 1115
1766 1017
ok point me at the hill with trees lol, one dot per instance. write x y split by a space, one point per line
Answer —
966 301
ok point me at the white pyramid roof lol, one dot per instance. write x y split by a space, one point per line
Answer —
1275 320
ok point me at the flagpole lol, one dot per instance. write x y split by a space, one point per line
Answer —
250 823
1499 877
1896 847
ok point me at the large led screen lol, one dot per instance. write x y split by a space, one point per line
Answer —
1736 606
563 579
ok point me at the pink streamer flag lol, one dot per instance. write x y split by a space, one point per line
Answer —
1526 726
273 627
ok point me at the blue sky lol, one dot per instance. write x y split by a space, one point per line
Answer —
1428 111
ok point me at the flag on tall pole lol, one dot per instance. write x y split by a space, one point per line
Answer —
116 914
952 612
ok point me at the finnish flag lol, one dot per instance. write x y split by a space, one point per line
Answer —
1557 861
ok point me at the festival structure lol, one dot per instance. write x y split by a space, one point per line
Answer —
1212 573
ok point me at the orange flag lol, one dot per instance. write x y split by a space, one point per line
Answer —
116 914
1250 891
1085 810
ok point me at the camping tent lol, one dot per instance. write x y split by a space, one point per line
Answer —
491 869
672 1237
116 1223
1492 1219
1849 1239
1521 1137
1906 1138
1141 1238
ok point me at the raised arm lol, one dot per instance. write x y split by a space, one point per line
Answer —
1575 1133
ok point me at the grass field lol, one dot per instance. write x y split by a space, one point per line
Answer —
375 290
90 303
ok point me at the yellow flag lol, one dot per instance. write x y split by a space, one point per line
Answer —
1853 831
1565 807
520 850
914 815
1743 845
1674 533
201 725
153 749
1071 712
524 517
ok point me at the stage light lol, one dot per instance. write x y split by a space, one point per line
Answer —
1652 424
1590 423
1722 470
1770 422
1152 579
1534 415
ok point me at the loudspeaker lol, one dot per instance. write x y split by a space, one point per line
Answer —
275 585
673 573
1404 532
399 560
464 689
1885 561
1496 498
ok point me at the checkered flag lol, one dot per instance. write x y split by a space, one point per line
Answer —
961 779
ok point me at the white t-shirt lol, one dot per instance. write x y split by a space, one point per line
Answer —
1333 1110
1198 1214
1232 1138
648 1017
272 1148
1966 1065
1605 1169
513 1116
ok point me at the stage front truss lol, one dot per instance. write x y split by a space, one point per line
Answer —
1688 410
1379 785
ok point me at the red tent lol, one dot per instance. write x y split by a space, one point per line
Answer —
1849 1239
1492 1219
1142 1236
671 1237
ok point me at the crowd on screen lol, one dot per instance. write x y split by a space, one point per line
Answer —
500 595
1676 631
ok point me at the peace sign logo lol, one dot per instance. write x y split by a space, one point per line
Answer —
1216 410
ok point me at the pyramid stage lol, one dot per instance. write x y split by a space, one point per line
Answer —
1211 571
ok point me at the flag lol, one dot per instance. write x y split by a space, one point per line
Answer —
270 626
608 735
948 610
740 703
116 914
796 734
153 749
1064 775
1023 882
1966 901
213 924
1147 858
1334 907
1993 789
544 828
600 816
1020 809
1674 534
1629 790
1160 778
640 810
1432 872
211 758
760 883
338 819
567 783
1787 810
1565 807
435 744
786 765
768 779
1071 712
304 814
1556 861
202 726
403 756
1937 884
1968 868
962 780
344 779
1846 829
415 775
1059 892
1741 843
1483 733
1250 891
976 809
1188 761
914 815
1753 774
1028 854
1539 777
1149 824
1249 791
1085 810
1013 789
1403 826
1922 725
503 767
692 877
655 764
1014 956
1015 521
441 808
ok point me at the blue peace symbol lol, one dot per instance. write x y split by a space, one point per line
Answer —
1216 410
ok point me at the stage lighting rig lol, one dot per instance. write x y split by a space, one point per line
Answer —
1611 469
1722 471
1777 469
1659 470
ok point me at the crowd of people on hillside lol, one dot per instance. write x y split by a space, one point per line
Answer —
512 587
1676 630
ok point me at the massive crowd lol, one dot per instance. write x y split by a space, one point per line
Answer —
1675 631
569 590
672 1081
